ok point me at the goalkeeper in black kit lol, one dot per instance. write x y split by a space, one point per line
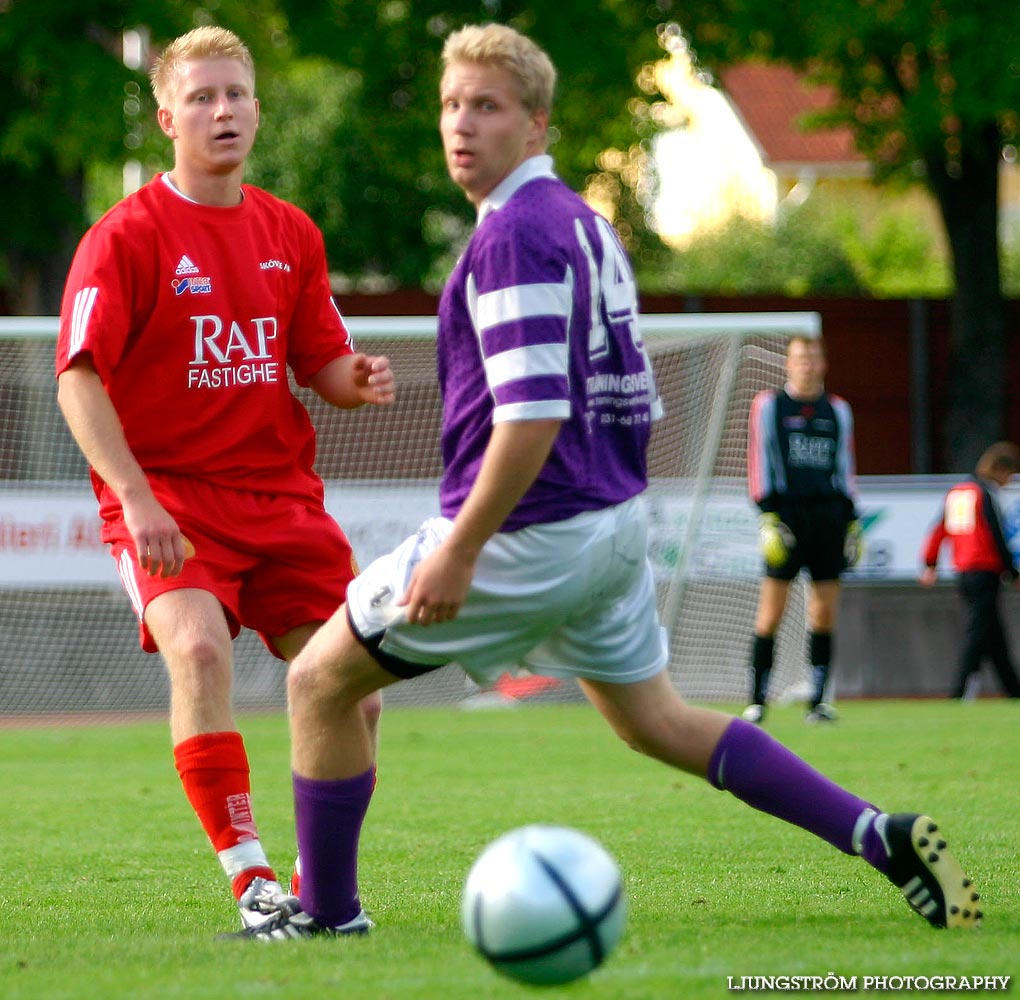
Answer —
801 474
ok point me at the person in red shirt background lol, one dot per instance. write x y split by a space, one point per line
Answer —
972 521
184 308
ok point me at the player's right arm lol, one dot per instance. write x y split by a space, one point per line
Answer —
514 456
930 551
775 538
761 451
97 429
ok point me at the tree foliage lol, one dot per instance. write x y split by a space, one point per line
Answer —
69 104
796 257
57 65
350 108
827 246
930 89
401 213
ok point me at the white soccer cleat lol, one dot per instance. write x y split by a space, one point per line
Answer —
753 713
821 714
262 900
296 924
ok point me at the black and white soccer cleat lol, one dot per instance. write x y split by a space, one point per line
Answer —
929 877
287 924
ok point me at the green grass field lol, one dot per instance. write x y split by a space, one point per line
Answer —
108 888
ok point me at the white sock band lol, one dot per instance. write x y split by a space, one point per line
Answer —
861 828
247 855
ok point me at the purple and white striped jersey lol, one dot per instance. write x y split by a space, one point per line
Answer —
539 320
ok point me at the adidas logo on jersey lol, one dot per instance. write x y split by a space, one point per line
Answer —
185 266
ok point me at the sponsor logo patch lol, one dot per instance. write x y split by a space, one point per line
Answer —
197 286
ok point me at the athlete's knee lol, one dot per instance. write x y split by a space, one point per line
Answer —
647 736
196 662
769 617
823 606
371 709
821 618
307 679
766 626
313 678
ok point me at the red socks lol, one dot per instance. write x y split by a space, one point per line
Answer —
215 773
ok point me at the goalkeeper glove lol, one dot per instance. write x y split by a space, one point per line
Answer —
775 539
853 544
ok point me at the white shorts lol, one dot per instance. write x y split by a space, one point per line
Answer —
572 598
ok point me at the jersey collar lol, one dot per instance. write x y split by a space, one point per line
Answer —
165 178
788 389
531 169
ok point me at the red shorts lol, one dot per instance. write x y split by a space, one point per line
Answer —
274 562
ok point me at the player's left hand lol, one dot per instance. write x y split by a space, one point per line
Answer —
775 539
853 544
438 587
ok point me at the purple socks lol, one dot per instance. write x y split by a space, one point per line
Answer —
760 771
329 815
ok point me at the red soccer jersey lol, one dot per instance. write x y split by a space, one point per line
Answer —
191 315
971 522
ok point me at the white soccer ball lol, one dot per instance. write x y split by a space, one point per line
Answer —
544 904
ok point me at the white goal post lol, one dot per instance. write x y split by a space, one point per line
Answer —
68 638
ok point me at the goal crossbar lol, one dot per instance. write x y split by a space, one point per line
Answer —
651 324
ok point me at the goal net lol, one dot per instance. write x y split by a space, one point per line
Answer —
68 636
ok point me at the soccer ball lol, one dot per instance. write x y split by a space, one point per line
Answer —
544 904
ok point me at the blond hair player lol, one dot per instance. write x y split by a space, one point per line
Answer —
539 557
184 308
